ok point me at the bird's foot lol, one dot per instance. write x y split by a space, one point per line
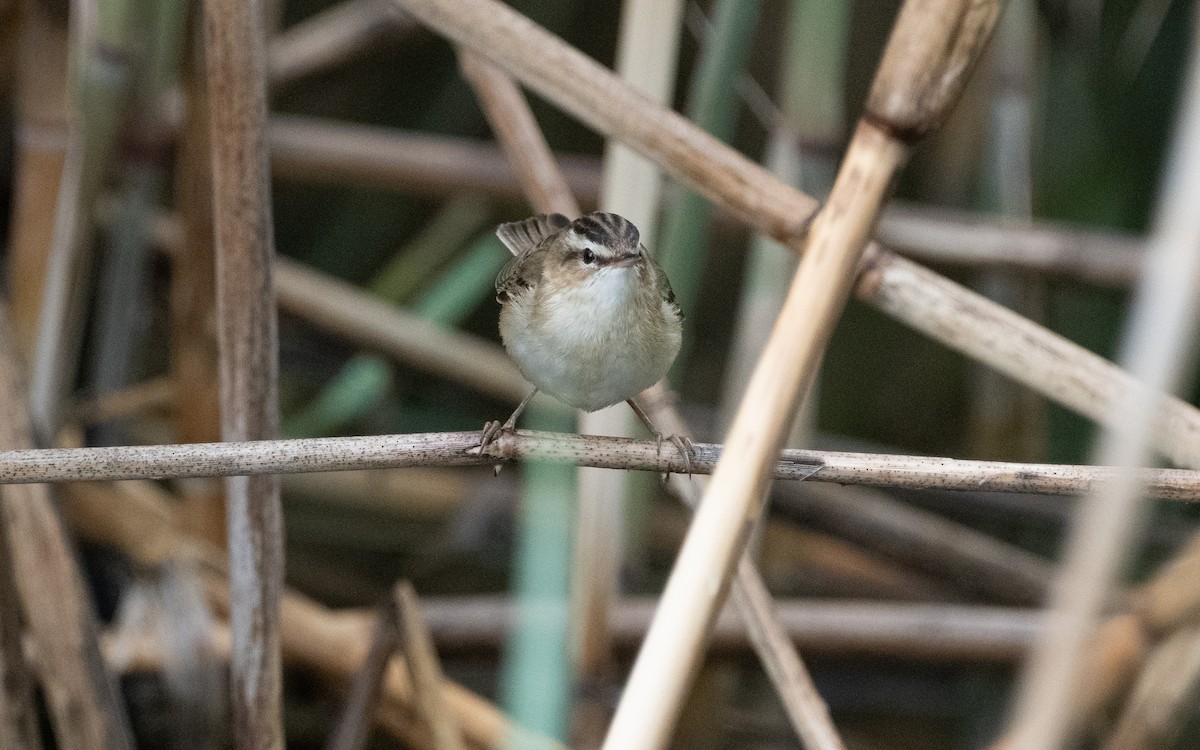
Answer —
491 431
683 444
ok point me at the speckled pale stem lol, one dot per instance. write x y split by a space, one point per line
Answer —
456 449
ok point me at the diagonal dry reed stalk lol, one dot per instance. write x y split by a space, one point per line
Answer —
236 61
83 701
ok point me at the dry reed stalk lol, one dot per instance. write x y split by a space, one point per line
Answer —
18 710
332 37
194 352
543 181
426 672
933 46
522 142
1023 350
235 57
40 153
454 449
1164 697
1156 348
927 632
939 235
312 150
936 632
85 708
918 297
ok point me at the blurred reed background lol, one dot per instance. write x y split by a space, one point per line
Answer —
912 607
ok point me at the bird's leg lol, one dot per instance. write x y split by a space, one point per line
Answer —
493 429
681 442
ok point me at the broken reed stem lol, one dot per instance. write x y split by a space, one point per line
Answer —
456 449
247 336
920 298
419 653
1156 348
926 631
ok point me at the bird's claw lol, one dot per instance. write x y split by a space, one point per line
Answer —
683 444
492 430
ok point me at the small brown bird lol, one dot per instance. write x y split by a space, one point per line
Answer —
586 313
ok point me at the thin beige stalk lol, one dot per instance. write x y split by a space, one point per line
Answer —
932 48
455 449
1156 349
235 56
934 633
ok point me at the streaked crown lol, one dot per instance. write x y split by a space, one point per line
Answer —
603 231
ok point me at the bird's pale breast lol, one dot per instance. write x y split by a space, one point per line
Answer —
591 345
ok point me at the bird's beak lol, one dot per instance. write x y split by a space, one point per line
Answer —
625 261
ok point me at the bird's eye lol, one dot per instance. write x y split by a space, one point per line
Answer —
588 256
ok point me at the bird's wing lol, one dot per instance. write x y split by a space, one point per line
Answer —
524 240
525 235
663 285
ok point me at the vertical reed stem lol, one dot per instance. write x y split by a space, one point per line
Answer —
236 62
